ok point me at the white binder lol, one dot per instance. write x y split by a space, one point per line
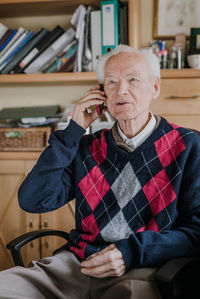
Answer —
95 29
109 25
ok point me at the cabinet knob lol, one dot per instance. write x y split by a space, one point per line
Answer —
45 223
30 223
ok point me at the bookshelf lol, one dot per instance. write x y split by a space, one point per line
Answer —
81 78
20 8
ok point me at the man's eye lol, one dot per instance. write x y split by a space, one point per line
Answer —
132 79
112 82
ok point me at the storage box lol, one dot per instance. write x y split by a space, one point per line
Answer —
24 139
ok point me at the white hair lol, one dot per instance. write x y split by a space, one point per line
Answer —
151 59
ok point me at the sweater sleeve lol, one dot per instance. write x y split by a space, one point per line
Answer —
50 184
151 248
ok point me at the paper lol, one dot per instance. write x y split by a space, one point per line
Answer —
78 20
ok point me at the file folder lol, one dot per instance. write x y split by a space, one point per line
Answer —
109 25
95 29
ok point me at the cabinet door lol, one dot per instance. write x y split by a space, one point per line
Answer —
61 219
14 221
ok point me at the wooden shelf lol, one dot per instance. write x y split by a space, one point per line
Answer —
17 8
184 73
83 78
87 77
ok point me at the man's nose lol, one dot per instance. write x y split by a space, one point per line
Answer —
122 87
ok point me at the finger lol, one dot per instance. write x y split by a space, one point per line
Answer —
108 248
101 272
113 251
92 97
92 115
89 103
95 87
93 94
114 265
103 257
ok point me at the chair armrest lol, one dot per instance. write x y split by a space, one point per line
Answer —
16 244
178 278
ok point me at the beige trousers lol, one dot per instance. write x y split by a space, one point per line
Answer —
59 277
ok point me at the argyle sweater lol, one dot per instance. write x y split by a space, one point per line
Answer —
146 202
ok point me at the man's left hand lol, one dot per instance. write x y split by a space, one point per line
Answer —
108 262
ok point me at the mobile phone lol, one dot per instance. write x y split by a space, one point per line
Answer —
99 108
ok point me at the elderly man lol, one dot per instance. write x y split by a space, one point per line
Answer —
137 190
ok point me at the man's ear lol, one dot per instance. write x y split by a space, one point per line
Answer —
156 88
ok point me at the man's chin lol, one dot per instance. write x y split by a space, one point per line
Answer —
124 116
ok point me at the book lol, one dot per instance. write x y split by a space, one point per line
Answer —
68 65
51 52
63 52
20 30
38 49
16 113
3 30
6 38
19 43
123 24
60 62
95 32
24 51
78 20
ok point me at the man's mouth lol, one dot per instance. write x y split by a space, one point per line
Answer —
122 103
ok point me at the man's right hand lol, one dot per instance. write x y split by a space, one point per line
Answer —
80 114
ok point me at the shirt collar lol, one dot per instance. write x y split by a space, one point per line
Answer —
140 137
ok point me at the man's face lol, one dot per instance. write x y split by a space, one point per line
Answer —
129 86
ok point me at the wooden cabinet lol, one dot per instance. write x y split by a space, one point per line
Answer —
179 99
13 221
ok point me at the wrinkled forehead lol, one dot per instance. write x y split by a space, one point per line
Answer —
125 60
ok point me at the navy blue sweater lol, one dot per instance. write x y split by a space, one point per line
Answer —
147 201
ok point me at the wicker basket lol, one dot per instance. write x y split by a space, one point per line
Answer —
24 139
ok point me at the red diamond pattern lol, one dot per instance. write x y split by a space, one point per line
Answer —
168 148
94 186
89 225
98 148
159 192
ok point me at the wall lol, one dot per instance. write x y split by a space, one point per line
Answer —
20 95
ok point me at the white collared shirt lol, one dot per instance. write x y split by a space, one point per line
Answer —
137 140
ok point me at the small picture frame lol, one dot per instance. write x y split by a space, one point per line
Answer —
195 40
172 17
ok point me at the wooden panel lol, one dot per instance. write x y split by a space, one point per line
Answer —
62 219
19 156
75 78
187 92
14 221
134 26
14 167
187 121
13 8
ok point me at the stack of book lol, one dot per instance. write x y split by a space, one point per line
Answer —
22 51
93 34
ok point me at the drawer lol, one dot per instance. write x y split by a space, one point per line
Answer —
178 96
187 121
16 166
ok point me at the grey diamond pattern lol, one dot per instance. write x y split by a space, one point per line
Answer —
116 229
126 185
